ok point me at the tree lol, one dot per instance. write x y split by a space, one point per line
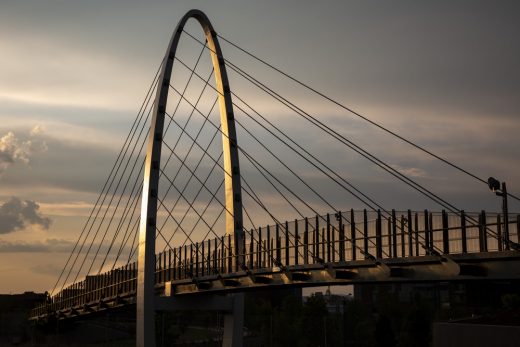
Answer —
385 336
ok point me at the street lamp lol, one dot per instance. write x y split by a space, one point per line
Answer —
501 190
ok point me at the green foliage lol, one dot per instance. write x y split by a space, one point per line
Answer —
511 301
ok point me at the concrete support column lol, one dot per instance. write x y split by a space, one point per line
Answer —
234 323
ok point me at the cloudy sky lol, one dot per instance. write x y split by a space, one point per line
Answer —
73 74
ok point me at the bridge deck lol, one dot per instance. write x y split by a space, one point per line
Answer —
329 249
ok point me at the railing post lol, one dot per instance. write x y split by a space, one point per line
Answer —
296 242
197 267
162 266
518 228
507 236
268 248
223 254
173 270
124 270
353 233
265 259
164 269
416 232
306 242
430 225
379 248
252 251
427 232
259 248
230 258
221 261
389 235
105 282
208 257
410 239
258 255
403 245
130 278
216 257
120 281
158 272
272 245
134 266
113 284
463 232
191 261
394 234
218 260
278 245
323 243
183 262
244 251
341 237
110 282
99 286
499 233
333 244
170 264
328 239
505 210
482 231
287 259
365 233
445 234
117 282
317 238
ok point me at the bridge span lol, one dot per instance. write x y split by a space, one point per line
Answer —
374 245
344 248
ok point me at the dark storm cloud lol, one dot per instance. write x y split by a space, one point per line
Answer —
16 214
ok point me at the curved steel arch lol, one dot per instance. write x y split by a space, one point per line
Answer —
145 327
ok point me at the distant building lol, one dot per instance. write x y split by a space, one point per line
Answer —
335 302
14 313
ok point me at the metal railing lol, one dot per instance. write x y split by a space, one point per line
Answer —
331 238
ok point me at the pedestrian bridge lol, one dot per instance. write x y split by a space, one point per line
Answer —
207 211
343 248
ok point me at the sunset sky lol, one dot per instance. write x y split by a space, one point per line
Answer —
73 74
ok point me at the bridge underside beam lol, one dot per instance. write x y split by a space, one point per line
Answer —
213 302
464 267
232 305
503 265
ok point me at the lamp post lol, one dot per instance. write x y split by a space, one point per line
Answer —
501 190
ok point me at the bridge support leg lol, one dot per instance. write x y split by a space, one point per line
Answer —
232 305
234 323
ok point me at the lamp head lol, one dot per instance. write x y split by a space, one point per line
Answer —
493 184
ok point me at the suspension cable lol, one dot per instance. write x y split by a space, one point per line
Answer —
342 139
337 103
110 178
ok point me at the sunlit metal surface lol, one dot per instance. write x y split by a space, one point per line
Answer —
146 257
